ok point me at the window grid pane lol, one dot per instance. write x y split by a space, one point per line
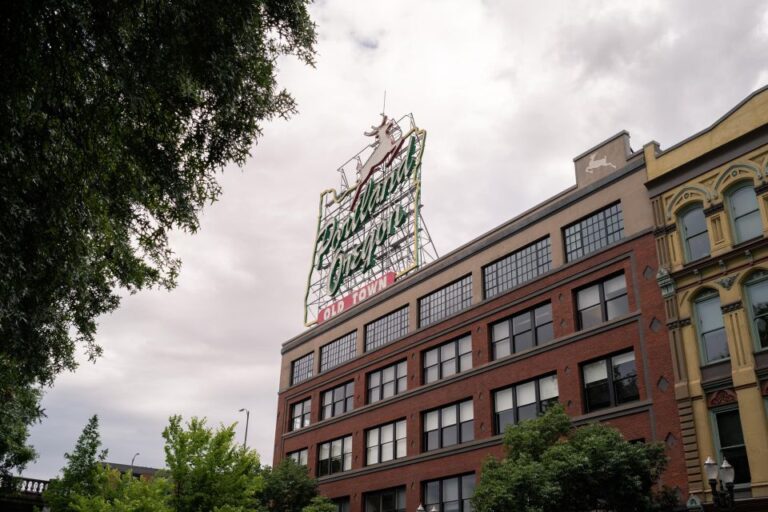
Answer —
338 400
530 328
448 425
388 500
301 368
602 301
523 401
338 351
518 268
452 494
300 414
387 382
594 232
446 301
447 359
385 442
299 456
609 382
386 329
334 456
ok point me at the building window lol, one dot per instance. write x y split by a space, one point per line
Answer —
609 382
450 494
447 359
522 331
757 294
745 214
693 227
334 456
603 301
385 443
709 321
730 443
386 329
449 425
517 268
387 382
523 401
446 301
300 414
389 500
338 400
338 351
301 368
342 504
594 232
299 456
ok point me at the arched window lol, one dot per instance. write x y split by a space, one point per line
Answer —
694 232
757 295
745 215
710 327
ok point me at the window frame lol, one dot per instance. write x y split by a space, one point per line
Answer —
297 458
348 403
447 312
441 429
380 446
610 379
756 278
310 357
604 215
603 302
440 481
684 234
458 358
713 413
342 354
510 321
541 267
398 492
746 184
321 462
392 321
701 297
380 387
540 408
306 414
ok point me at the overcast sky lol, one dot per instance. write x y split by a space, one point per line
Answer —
508 91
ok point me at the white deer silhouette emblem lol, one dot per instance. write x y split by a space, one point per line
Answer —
385 148
596 164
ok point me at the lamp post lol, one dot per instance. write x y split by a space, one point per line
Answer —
722 497
132 460
247 418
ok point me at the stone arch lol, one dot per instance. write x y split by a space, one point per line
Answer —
734 174
745 276
687 195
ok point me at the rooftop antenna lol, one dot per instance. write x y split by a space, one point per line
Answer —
384 106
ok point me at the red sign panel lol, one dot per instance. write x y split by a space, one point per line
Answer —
356 297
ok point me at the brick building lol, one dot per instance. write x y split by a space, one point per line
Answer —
397 401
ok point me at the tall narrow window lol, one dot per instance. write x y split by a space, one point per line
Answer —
730 439
447 359
338 400
694 232
385 443
709 320
602 301
300 414
757 293
301 368
449 425
610 382
334 456
745 214
522 331
387 382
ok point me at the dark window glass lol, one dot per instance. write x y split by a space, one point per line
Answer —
301 369
594 232
757 292
517 268
334 456
447 359
709 320
385 443
448 425
338 400
446 301
386 329
732 448
745 213
522 331
610 382
602 301
523 401
338 351
387 382
299 456
694 232
300 414
342 504
388 500
451 494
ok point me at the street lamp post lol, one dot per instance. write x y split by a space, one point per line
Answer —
247 418
722 497
132 461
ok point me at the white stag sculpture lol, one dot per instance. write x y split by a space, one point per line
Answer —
385 148
596 164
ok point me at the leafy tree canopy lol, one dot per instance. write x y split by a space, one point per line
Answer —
117 116
551 466
288 488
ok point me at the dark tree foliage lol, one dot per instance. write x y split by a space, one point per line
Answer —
553 467
19 411
117 116
287 487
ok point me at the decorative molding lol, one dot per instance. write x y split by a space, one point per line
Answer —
664 230
683 322
721 397
665 282
730 308
727 282
761 189
715 208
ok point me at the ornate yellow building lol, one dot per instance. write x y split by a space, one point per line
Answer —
710 201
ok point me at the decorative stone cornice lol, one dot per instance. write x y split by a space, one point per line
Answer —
727 282
715 208
733 306
664 230
761 189
721 397
665 282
